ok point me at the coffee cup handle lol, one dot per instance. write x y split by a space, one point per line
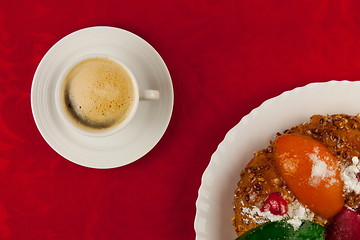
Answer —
149 94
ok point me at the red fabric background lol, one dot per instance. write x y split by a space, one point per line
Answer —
225 58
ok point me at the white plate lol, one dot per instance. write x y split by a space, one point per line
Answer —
254 131
147 126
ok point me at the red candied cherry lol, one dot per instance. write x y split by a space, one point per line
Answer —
275 204
345 225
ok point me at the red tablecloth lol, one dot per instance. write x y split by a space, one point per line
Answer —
225 58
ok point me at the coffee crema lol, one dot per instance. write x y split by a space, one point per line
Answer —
98 93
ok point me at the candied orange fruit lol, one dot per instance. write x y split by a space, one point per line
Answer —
311 172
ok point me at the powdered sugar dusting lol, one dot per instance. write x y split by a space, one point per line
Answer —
296 213
349 176
320 170
260 217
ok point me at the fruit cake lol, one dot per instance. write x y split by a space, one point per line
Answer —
308 177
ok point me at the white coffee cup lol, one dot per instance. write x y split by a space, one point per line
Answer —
100 83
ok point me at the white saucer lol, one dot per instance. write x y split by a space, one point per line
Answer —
147 126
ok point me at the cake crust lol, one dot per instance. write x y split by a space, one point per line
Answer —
340 133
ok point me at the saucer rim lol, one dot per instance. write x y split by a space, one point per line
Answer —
47 133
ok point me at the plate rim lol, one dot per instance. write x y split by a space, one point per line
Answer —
201 191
